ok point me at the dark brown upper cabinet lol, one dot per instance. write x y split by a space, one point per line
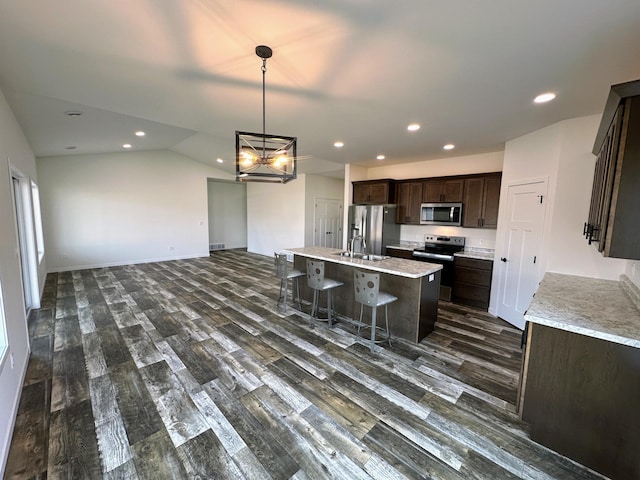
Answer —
442 190
374 192
481 200
615 197
408 198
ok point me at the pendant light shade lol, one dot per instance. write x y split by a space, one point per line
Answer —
261 157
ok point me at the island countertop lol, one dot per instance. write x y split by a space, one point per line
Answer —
393 265
592 307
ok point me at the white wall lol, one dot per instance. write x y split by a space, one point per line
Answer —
275 216
14 150
560 153
442 167
317 186
123 208
227 213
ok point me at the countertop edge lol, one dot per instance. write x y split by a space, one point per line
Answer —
568 302
583 331
372 266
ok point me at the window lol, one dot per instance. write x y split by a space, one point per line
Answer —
4 344
37 220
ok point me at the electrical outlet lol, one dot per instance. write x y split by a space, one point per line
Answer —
171 248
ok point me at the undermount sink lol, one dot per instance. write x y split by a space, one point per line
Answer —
363 256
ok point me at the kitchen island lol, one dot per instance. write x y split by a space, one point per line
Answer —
580 382
416 284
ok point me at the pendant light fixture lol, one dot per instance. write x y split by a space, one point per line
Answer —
261 157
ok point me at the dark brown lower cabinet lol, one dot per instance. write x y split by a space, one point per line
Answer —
581 396
472 282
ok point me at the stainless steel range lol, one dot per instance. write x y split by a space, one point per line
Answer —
440 249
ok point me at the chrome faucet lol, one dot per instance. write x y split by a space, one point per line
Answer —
363 244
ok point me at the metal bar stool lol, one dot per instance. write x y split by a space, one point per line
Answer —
317 281
367 292
284 273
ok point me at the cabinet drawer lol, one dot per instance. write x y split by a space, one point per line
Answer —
473 263
471 294
473 276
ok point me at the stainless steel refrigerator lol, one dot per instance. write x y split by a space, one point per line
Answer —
376 224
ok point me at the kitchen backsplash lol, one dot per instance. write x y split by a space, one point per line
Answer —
475 237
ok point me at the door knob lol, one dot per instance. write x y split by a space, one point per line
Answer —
502 259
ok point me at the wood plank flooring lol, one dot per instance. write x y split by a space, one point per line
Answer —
187 369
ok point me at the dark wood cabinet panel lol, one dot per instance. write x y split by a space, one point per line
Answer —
472 282
400 253
481 201
408 199
373 192
580 396
491 201
442 190
615 196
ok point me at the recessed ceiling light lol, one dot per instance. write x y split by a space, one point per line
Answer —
219 160
140 133
544 97
413 127
338 144
449 146
73 113
380 157
126 145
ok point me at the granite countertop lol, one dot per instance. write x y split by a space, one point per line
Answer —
604 309
392 265
477 253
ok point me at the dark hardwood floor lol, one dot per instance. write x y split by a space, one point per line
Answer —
186 369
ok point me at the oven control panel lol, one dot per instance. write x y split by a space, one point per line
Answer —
458 241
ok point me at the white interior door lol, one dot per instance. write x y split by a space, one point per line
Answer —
520 260
328 223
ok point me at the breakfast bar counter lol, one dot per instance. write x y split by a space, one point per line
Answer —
416 284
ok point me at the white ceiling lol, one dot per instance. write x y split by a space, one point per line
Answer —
352 70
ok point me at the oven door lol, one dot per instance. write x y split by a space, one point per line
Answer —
441 214
446 276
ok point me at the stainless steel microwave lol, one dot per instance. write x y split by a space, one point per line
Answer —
441 214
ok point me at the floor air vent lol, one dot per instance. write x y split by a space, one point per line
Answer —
216 246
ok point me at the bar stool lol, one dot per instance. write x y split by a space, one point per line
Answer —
367 292
284 273
317 281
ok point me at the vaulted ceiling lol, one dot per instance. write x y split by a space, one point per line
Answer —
357 71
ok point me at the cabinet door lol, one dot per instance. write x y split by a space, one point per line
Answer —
452 190
379 193
490 202
408 200
361 193
472 202
432 191
403 193
415 199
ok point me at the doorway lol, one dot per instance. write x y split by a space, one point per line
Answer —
327 224
522 243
